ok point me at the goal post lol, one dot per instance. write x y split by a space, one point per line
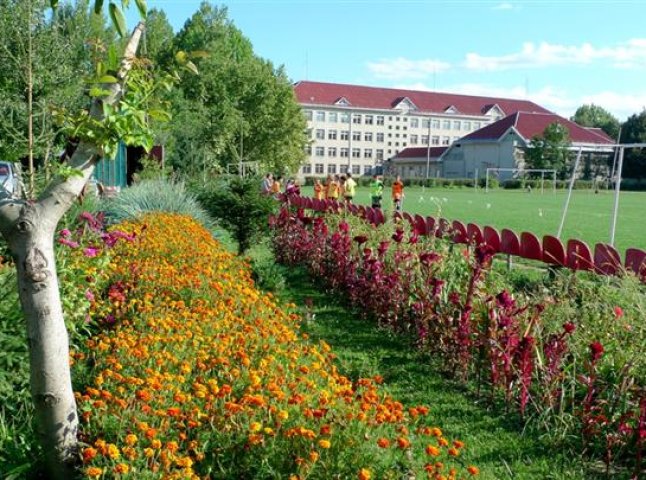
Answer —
493 171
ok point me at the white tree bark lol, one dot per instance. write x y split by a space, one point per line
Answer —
29 228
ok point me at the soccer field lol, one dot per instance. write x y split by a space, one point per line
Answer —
588 216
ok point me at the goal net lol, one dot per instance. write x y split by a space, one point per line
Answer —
538 176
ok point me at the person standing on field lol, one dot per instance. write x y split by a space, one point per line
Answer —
332 190
318 190
267 182
398 193
350 188
376 191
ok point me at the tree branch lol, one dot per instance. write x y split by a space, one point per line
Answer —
61 193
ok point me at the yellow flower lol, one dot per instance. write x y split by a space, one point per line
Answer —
255 426
131 439
324 444
113 451
364 474
121 468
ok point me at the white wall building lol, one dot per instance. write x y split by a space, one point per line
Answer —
358 128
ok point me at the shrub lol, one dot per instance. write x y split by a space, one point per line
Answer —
155 196
240 207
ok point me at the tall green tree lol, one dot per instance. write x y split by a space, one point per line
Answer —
550 150
239 108
634 131
595 116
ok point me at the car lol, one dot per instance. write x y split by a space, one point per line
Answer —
9 179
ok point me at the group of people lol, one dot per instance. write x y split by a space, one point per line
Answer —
336 187
273 186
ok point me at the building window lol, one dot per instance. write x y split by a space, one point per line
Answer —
426 123
331 152
380 137
343 168
307 169
331 168
345 134
435 125
310 132
308 114
456 125
356 136
320 116
424 139
355 169
367 136
356 153
356 119
466 126
476 125
320 134
331 134
413 139
397 135
345 118
367 153
367 169
397 127
318 168
368 119
397 144
380 154
435 140
344 152
380 119
308 149
332 117
446 140
320 151
446 124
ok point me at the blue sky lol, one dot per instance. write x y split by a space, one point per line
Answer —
560 54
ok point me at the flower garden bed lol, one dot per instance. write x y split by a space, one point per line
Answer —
195 373
574 363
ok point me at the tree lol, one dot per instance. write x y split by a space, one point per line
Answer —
240 108
597 117
29 226
550 150
634 131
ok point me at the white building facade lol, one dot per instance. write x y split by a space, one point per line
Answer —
357 128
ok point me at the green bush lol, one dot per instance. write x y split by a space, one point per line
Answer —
239 206
155 196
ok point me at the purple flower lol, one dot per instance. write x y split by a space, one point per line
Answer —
68 243
65 233
344 227
91 251
383 247
504 299
398 236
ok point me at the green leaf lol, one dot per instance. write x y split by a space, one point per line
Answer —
98 6
142 7
159 115
54 4
108 79
181 57
98 92
191 66
118 20
113 58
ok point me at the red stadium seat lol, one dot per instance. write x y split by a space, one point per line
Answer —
636 261
430 225
606 259
379 216
530 246
474 234
579 256
420 225
553 251
459 232
509 242
370 215
492 238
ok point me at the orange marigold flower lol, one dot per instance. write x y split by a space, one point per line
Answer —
121 468
324 444
383 443
443 441
458 444
473 470
432 451
364 474
314 456
88 454
131 439
94 472
454 452
436 432
403 443
113 451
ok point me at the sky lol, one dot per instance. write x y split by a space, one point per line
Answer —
558 53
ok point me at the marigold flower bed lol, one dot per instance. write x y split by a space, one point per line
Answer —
196 374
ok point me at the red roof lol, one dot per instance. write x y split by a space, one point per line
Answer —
319 93
421 152
531 124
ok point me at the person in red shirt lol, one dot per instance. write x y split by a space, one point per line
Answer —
398 193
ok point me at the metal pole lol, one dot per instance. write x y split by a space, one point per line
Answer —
487 181
569 193
615 211
542 183
428 150
614 158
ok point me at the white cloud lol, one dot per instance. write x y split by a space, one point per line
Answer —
504 6
403 68
630 54
556 99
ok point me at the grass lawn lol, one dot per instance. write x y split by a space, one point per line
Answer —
588 216
495 441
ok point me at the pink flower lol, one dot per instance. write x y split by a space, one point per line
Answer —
596 351
68 243
89 295
618 312
91 252
65 233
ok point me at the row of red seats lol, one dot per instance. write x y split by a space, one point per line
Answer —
576 254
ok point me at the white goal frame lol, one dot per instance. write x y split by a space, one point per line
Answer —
542 171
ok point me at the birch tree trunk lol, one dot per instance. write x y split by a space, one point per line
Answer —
29 228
